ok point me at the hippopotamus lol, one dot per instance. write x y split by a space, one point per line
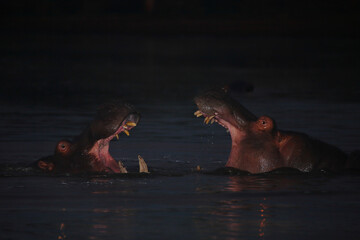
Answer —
258 146
89 152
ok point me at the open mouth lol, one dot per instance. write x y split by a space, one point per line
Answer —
211 118
125 127
104 162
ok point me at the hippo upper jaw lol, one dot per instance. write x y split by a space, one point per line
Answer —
218 105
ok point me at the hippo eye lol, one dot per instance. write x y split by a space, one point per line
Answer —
63 147
263 122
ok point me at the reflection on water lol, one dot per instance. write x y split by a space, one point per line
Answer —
237 184
256 183
61 232
237 217
263 216
195 206
234 218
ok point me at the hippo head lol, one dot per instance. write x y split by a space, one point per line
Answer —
89 152
218 106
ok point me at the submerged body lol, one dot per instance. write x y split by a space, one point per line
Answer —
89 152
258 146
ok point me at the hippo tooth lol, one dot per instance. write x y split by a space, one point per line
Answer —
130 124
126 132
122 168
206 120
142 165
198 113
117 136
212 120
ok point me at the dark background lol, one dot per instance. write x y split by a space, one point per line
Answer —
56 51
233 17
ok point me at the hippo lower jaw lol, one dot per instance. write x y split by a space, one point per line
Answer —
100 151
236 133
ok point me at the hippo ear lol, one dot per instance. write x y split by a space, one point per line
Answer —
265 123
46 166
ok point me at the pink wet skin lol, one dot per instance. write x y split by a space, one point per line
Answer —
232 129
100 152
238 134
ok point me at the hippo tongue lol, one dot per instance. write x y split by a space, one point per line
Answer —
107 160
107 163
101 150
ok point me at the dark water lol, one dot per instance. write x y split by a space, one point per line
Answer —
176 202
